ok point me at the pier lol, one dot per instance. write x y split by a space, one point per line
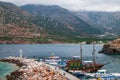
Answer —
64 73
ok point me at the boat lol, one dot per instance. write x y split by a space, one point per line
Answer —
79 64
92 66
102 75
117 75
62 64
52 60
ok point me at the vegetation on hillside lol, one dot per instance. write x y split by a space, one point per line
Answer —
47 24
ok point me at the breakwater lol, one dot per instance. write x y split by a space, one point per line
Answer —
32 70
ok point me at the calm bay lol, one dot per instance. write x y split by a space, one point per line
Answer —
61 50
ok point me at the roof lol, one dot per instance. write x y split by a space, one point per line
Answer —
103 70
88 61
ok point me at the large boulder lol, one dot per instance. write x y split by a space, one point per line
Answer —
111 48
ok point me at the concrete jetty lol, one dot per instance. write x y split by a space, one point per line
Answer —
64 73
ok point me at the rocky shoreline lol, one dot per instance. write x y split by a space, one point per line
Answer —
111 48
32 70
17 62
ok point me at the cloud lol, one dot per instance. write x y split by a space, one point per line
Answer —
99 5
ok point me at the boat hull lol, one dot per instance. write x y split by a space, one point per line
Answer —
78 65
92 68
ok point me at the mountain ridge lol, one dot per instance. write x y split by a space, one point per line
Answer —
49 23
106 21
11 22
63 16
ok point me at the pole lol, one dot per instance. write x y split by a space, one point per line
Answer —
81 52
93 53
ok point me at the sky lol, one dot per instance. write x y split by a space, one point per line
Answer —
94 5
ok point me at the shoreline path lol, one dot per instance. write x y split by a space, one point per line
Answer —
64 73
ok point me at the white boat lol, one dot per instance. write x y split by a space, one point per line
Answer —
53 60
101 74
117 75
77 72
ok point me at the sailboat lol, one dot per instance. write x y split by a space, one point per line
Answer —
93 66
80 65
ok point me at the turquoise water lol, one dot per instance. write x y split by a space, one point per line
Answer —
6 69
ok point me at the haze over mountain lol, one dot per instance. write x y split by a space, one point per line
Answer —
106 21
66 18
88 5
55 20
50 20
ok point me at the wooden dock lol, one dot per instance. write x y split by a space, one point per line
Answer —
64 73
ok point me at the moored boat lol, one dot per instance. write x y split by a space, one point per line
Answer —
102 75
117 75
92 67
79 64
53 60
78 72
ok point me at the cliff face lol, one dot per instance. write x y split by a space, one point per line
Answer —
111 48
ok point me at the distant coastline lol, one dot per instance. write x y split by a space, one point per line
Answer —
59 40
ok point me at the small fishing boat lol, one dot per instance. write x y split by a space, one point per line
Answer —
78 73
102 75
53 60
62 64
117 75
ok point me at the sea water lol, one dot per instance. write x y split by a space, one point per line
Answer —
63 51
6 69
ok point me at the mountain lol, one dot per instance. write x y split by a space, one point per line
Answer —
51 26
17 22
43 24
106 21
13 22
13 8
67 21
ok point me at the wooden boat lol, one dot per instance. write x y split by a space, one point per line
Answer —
78 64
93 66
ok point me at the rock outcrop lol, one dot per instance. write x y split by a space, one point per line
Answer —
112 47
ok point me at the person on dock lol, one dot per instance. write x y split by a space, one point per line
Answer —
64 73
55 68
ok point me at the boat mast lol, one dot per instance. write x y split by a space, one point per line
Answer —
93 53
81 52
